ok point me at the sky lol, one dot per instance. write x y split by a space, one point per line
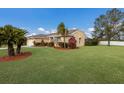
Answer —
46 20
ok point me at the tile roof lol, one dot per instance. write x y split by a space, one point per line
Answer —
72 31
46 35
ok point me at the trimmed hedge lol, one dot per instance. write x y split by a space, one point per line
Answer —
91 42
61 44
51 44
42 43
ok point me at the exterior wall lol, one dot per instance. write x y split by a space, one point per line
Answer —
80 38
78 35
66 39
61 39
30 41
114 43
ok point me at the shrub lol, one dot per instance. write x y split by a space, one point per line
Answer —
91 42
61 44
37 44
51 44
72 43
66 45
43 43
34 43
46 44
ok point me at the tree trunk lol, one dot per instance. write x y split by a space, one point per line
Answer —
64 41
18 49
0 44
119 37
108 40
109 37
11 51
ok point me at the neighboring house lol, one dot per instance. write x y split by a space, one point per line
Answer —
54 37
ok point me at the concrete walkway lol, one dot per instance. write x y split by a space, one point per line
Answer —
14 47
2 48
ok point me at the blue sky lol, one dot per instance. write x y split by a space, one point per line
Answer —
45 20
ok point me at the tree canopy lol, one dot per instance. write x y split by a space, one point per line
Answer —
11 35
109 26
62 30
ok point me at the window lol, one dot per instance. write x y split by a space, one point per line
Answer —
51 38
79 40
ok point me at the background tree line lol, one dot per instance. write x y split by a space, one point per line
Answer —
109 26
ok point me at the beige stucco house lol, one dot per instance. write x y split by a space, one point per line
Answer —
54 37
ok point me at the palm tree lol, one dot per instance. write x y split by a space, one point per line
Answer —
62 30
12 35
7 35
20 39
1 36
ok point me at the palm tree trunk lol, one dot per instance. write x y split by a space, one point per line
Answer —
64 41
18 49
0 44
11 51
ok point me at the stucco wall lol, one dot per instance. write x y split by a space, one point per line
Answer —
78 35
30 41
114 43
66 39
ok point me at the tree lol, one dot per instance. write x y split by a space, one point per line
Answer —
63 31
1 36
7 36
11 35
99 32
108 26
20 39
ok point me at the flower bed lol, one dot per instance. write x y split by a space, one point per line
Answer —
21 56
59 48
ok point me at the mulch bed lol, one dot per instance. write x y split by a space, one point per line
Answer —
21 56
59 48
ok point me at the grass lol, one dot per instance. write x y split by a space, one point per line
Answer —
89 64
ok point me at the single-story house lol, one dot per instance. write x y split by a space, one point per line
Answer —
54 37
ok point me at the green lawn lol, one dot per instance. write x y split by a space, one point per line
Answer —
89 64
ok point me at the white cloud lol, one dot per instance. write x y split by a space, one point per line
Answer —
91 29
53 31
30 34
88 34
46 32
74 28
43 31
33 34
